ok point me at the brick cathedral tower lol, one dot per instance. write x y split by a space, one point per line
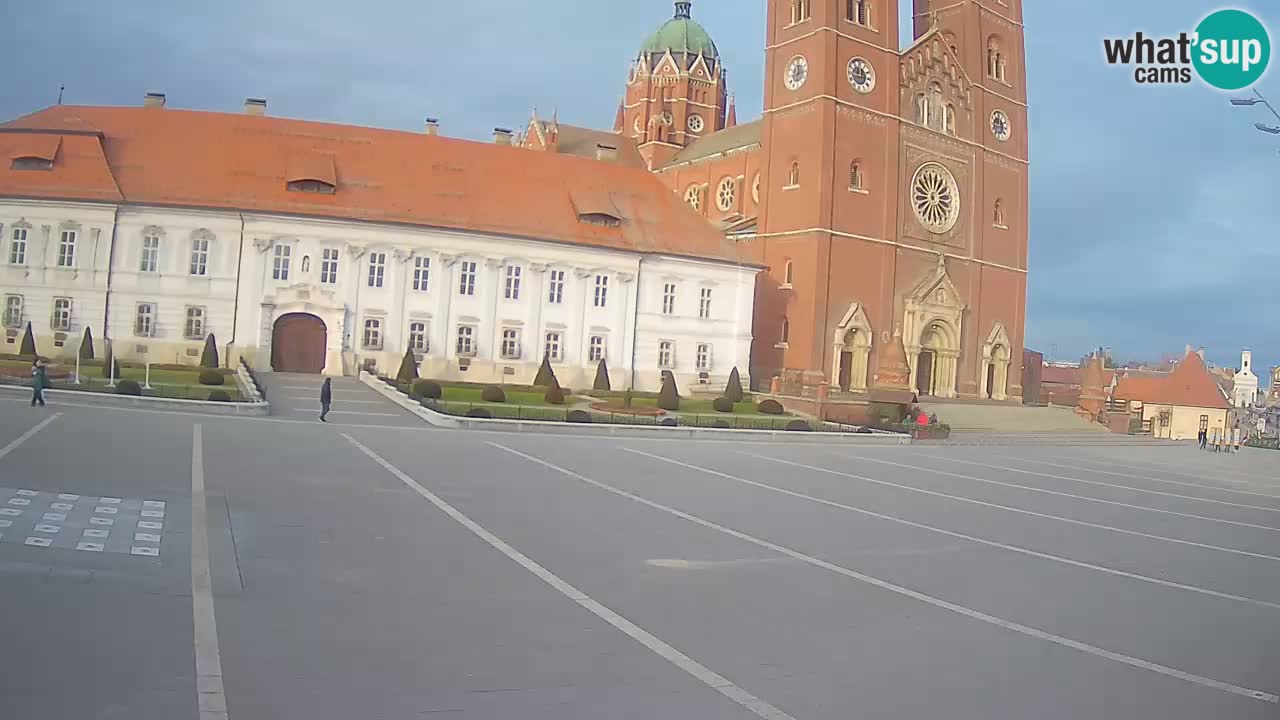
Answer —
895 194
676 89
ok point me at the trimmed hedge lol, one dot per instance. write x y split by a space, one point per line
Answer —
545 375
212 377
733 390
601 383
554 396
578 416
799 426
668 396
86 345
722 404
28 347
219 396
668 422
493 394
427 389
770 407
408 367
209 357
722 425
479 413
128 387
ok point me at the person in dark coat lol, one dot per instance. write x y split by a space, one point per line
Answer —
39 381
326 398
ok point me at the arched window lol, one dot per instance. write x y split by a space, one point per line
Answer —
858 11
786 331
793 179
922 109
855 175
997 215
949 119
995 59
936 111
306 263
788 273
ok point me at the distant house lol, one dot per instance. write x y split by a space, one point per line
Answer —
1061 385
1179 404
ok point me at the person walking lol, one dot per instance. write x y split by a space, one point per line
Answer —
39 381
1203 438
326 398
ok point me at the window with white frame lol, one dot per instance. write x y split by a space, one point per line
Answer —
67 249
144 320
669 299
704 304
18 247
419 341
704 357
786 331
602 291
377 269
329 266
466 341
799 11
666 354
467 278
510 344
554 347
858 11
193 328
421 273
512 289
150 254
200 256
280 264
12 311
789 273
555 294
595 349
61 319
372 339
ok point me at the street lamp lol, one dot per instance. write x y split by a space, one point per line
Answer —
1259 100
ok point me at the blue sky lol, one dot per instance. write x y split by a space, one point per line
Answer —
1151 226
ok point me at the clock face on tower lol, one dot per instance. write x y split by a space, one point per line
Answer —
796 73
1000 125
861 75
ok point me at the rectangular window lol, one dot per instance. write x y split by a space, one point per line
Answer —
555 295
595 350
466 340
13 311
421 274
467 278
555 346
704 304
280 266
193 329
512 290
602 291
200 257
329 267
511 344
67 249
150 254
377 269
668 299
18 248
418 340
144 320
666 354
61 314
372 339
704 357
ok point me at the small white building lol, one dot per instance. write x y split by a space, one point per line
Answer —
313 247
1244 391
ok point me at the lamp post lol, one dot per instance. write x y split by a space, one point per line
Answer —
1259 100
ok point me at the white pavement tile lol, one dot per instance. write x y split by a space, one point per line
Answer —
61 507
51 529
28 493
107 510
148 525
38 542
68 496
91 533
12 512
145 537
101 521
151 551
20 502
153 504
55 517
6 523
110 501
152 513
89 546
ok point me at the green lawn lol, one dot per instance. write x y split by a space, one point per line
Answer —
182 384
701 406
472 395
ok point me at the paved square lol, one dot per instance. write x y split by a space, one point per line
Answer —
88 524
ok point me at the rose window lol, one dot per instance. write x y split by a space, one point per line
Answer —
935 198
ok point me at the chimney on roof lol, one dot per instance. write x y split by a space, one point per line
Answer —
153 100
608 153
502 136
255 106
432 126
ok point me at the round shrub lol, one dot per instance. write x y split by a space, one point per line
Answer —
721 425
578 416
428 389
480 413
799 426
770 407
493 394
128 387
212 377
219 396
722 404
668 422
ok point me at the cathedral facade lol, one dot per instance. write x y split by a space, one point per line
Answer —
883 188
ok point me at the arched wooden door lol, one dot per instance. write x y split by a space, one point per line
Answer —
298 344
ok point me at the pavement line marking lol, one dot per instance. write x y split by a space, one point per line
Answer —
210 695
672 655
1085 498
928 599
28 434
962 536
346 412
1157 466
1010 508
1239 476
316 389
308 398
1126 487
1201 486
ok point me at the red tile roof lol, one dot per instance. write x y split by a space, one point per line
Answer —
1189 385
1071 375
169 157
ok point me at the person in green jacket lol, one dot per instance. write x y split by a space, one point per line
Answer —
39 381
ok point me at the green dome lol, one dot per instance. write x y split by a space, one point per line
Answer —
681 35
